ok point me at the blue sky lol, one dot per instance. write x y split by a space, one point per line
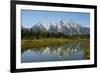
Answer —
32 17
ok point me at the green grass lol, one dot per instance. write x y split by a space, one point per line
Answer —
87 50
37 43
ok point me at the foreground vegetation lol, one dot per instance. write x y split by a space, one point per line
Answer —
48 42
87 50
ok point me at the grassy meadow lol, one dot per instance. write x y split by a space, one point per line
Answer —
36 43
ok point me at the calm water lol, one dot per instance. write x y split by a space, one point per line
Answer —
70 51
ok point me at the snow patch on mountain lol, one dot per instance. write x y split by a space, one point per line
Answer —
65 27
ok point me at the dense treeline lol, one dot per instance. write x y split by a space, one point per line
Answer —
31 34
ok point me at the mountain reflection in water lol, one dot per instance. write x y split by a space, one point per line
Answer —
70 51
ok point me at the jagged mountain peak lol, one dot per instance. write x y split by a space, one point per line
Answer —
59 22
65 27
38 26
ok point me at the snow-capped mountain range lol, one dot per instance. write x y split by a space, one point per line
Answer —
67 28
